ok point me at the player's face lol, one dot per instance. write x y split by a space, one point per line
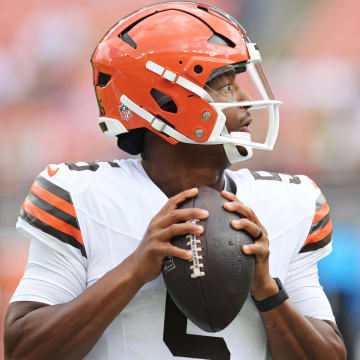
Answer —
225 88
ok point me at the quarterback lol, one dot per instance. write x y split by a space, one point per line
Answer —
181 84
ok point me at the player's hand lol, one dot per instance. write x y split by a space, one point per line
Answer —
167 223
263 284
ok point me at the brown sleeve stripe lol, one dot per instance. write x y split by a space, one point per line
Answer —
317 237
54 200
321 212
52 188
320 233
52 231
320 224
54 211
52 225
316 245
52 221
50 208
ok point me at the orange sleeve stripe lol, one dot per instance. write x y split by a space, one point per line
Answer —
53 221
315 184
53 199
321 212
320 234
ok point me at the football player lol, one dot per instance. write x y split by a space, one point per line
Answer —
180 84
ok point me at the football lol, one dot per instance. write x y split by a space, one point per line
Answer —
211 288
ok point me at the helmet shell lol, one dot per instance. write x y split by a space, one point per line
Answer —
180 37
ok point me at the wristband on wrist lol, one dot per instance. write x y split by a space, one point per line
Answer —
272 301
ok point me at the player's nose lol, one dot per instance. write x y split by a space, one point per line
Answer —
242 95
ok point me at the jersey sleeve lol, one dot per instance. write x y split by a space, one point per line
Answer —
51 277
302 281
320 233
50 209
56 269
303 286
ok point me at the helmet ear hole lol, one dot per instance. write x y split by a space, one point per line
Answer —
221 40
198 69
103 79
165 102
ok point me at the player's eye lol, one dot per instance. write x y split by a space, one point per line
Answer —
226 88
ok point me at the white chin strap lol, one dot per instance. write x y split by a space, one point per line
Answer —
232 152
233 155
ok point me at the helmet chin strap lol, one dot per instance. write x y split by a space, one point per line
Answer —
231 151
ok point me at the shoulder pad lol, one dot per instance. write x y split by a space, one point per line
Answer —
69 172
49 208
49 205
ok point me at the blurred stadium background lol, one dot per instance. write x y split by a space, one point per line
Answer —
311 56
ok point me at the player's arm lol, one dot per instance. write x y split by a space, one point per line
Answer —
290 335
34 330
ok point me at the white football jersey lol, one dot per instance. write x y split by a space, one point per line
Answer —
86 218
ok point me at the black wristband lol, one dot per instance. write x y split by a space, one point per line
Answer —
274 300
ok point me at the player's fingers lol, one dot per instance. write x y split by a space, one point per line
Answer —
259 249
189 227
240 208
245 224
229 195
172 250
177 199
178 215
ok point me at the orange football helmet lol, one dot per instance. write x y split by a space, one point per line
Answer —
151 70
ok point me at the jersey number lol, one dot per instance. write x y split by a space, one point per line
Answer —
186 345
275 176
92 166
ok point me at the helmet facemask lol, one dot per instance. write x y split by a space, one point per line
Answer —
260 106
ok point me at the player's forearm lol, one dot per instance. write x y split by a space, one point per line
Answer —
69 331
292 336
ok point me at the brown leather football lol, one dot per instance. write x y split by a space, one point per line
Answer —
212 288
